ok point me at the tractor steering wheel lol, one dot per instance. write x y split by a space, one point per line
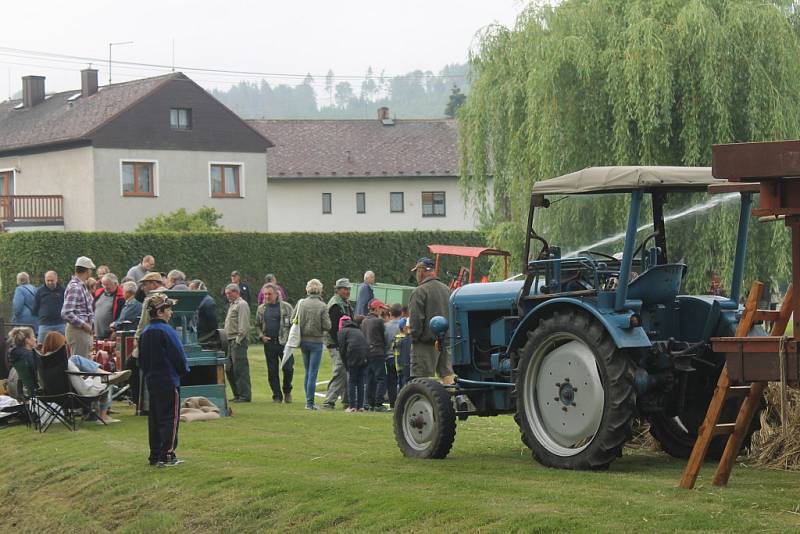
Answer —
596 253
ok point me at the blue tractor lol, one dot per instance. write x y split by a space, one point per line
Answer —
585 343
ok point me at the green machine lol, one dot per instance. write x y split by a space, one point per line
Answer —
388 293
206 376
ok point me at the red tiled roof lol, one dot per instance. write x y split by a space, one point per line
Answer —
360 148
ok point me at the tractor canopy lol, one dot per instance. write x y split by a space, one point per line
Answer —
628 178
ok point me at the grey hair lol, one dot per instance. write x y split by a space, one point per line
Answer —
275 289
233 287
111 277
175 274
269 279
314 287
129 286
368 274
23 278
199 284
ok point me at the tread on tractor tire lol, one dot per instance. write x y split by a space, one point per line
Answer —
424 419
677 435
574 393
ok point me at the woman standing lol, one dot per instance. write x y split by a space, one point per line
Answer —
312 316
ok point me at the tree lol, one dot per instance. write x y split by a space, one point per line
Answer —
329 78
368 87
457 99
344 94
204 219
606 82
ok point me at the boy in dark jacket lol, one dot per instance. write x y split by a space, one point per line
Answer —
354 351
163 361
373 328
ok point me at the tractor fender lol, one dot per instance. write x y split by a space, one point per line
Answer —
615 323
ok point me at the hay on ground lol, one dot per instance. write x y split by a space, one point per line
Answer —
777 444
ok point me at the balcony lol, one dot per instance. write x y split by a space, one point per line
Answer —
31 212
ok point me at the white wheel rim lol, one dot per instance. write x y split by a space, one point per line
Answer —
564 395
419 423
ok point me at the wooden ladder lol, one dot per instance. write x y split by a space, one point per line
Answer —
751 395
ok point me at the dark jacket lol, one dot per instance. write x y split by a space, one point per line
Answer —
365 296
23 360
353 346
337 307
47 305
372 326
161 355
429 299
206 316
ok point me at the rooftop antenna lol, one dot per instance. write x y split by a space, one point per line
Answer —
109 56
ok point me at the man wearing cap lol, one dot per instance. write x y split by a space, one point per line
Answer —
373 329
428 300
237 327
77 309
338 306
163 362
244 288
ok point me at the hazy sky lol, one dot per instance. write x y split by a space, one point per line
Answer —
269 36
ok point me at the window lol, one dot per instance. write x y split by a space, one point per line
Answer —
225 180
138 179
326 202
180 118
361 202
433 204
396 203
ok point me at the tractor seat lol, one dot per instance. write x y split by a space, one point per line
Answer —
659 284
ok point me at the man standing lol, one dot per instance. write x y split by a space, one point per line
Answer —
428 300
373 330
273 321
177 280
244 288
108 304
47 306
163 361
365 294
338 306
237 327
206 313
391 330
137 272
77 309
22 303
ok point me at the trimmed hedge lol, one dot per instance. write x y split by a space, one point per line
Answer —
293 257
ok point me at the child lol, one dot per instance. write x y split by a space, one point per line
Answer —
354 351
401 347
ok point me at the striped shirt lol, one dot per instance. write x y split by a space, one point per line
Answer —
77 308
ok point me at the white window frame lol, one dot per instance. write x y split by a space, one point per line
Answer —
330 203
137 160
240 164
402 201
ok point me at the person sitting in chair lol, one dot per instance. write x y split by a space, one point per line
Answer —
22 359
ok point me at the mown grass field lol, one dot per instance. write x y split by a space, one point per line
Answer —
279 467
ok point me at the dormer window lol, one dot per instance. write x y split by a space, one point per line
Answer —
180 118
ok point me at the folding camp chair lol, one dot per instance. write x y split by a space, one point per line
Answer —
57 400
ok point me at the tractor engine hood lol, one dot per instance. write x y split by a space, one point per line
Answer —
487 296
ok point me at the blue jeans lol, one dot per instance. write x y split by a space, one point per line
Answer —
45 328
376 381
355 386
312 354
84 365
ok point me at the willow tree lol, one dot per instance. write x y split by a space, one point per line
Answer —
628 82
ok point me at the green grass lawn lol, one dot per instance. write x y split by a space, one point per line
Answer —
275 466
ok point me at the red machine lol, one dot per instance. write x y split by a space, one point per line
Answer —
467 275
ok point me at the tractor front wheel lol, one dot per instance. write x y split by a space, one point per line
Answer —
574 393
424 419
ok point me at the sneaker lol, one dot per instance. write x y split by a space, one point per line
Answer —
287 398
381 409
327 406
313 407
241 400
277 399
122 376
360 410
107 421
350 410
170 463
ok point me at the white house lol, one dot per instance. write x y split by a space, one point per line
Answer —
105 158
364 175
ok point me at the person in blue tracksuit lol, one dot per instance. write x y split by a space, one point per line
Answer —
163 361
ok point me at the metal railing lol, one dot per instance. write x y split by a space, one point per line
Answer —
31 208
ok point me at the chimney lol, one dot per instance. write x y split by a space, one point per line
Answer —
88 82
383 113
32 90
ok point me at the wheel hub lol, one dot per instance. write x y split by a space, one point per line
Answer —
419 424
564 396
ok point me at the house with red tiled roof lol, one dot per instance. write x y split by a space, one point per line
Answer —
364 175
105 158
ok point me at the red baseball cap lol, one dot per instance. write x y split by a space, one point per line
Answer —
376 303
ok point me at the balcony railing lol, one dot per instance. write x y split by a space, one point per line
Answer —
31 208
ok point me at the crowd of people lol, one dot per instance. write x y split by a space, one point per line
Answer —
375 348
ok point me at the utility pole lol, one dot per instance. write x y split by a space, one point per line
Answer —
109 56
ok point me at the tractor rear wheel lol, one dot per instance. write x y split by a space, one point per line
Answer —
424 419
574 393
